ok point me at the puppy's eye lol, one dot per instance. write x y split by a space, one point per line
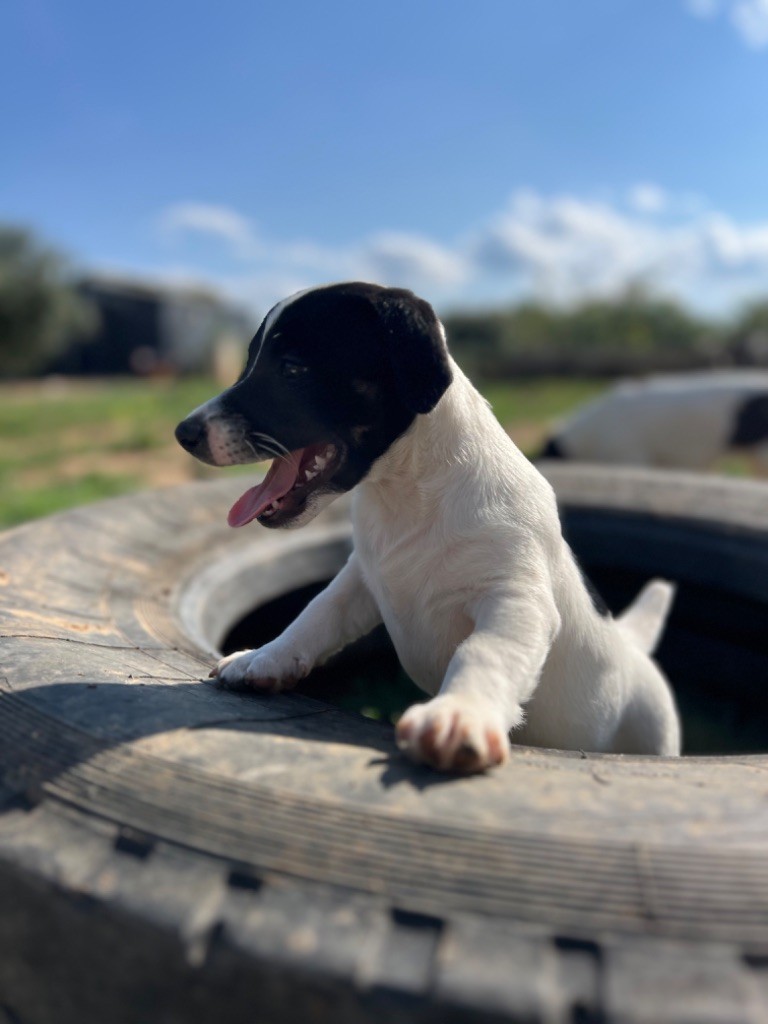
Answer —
292 367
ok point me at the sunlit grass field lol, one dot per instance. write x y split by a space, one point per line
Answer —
67 442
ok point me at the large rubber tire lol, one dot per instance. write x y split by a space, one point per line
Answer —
171 852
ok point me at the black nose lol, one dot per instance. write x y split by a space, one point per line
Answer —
190 432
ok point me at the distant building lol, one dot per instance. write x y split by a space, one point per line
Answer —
144 329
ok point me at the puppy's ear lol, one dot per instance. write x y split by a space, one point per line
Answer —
415 347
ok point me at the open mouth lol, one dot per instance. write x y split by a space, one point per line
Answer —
284 491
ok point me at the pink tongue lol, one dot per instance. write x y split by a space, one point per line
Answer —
276 484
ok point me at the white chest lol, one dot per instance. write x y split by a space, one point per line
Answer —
421 592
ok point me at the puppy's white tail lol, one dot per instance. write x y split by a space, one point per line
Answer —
646 617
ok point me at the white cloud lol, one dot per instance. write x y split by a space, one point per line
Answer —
220 222
748 17
563 248
647 198
751 20
703 8
737 248
394 257
390 257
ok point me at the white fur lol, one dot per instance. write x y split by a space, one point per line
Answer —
458 550
672 420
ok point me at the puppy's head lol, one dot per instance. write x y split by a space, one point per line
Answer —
334 375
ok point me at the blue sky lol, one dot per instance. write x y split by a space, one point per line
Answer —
476 152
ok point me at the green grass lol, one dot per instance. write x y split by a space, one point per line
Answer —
20 504
65 443
61 404
540 401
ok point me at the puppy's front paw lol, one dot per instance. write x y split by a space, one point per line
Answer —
269 668
453 736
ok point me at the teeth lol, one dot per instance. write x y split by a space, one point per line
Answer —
316 467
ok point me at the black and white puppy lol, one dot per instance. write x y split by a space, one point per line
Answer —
680 420
457 541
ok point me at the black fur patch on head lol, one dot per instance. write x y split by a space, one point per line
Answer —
751 422
415 347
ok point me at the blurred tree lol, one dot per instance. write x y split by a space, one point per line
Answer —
634 332
748 340
39 308
637 323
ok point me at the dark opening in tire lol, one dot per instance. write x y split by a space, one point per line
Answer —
366 677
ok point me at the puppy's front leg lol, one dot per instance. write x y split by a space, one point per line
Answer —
341 613
491 675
